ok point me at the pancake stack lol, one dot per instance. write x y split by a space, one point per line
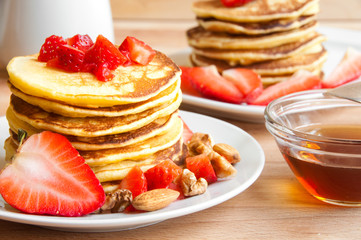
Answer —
115 125
275 38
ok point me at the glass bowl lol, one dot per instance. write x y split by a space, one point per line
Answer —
320 138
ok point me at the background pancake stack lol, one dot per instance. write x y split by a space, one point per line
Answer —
131 120
273 37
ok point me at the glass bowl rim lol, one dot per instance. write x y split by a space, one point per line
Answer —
275 125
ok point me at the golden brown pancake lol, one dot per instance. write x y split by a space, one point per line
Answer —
130 84
256 11
91 126
254 28
119 110
248 56
134 151
158 126
274 67
200 38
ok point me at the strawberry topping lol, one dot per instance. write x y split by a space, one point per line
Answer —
48 176
136 51
234 3
80 54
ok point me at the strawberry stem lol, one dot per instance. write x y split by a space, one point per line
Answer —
22 134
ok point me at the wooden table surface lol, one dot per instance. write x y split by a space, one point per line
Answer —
275 206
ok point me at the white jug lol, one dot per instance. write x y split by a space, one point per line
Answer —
25 24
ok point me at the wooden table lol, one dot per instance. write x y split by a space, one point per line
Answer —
275 206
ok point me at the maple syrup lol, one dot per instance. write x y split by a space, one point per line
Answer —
332 177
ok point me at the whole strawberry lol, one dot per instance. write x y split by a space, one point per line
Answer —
48 176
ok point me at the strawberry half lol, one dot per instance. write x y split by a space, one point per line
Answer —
49 50
201 166
246 80
347 70
136 51
300 81
48 176
211 84
186 82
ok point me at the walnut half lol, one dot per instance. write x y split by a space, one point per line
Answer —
192 186
117 201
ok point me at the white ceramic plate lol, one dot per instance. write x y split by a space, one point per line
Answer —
338 40
248 171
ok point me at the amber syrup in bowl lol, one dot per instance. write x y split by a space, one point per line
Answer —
320 139
329 177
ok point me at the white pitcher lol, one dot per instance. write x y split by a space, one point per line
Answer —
25 24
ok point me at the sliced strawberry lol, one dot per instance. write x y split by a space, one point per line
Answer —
162 174
49 49
104 55
187 132
176 187
137 51
201 166
246 80
81 42
211 84
134 181
48 176
69 59
347 70
186 82
234 3
300 81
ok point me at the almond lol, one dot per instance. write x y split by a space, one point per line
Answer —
155 199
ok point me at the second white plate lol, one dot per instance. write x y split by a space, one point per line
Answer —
338 40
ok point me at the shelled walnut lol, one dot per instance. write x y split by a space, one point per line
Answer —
117 201
190 185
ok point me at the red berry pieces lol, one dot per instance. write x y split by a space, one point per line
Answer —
201 166
134 181
162 174
48 176
80 54
211 84
81 42
347 70
300 81
69 59
234 3
103 56
49 50
136 51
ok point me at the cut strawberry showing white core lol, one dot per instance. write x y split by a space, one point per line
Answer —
347 70
48 176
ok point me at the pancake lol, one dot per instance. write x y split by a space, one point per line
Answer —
10 147
134 151
119 110
158 126
248 56
91 126
130 84
256 11
308 61
200 38
254 28
117 171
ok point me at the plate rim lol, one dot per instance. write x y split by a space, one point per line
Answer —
111 221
